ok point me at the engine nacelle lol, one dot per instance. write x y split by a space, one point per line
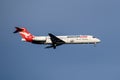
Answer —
39 38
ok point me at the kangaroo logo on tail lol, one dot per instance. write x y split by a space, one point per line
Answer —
24 34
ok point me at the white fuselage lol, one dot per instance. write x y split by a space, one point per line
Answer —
72 39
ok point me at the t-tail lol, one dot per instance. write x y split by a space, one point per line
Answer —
27 36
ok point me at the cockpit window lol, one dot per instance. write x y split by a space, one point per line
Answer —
94 37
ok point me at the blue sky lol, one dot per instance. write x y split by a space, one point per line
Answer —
25 61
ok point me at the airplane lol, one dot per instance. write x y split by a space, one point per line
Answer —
54 41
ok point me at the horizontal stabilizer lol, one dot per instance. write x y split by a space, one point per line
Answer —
17 30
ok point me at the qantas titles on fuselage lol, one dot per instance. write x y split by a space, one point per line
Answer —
56 40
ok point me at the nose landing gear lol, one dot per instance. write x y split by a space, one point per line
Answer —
95 44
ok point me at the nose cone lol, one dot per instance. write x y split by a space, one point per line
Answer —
98 40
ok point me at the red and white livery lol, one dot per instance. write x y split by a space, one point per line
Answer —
54 41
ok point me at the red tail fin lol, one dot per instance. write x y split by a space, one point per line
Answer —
24 34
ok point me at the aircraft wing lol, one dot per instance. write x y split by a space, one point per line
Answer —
55 41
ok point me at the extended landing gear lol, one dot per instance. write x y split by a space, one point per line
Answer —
95 44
